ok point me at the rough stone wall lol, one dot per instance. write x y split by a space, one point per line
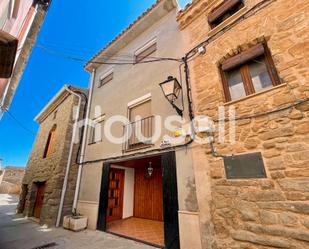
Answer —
12 178
255 213
52 169
1 174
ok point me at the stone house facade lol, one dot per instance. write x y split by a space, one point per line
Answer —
43 182
267 210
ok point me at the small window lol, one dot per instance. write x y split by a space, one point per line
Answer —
145 52
249 72
224 11
96 130
105 79
16 9
50 142
244 166
13 9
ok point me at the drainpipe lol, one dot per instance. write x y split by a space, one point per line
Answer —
83 148
65 182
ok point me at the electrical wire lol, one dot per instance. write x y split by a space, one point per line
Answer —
20 123
160 150
260 114
81 52
74 58
121 59
250 12
107 56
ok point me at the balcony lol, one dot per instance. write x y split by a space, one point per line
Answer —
138 134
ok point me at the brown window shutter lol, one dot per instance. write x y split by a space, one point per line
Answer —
143 110
222 9
243 57
148 51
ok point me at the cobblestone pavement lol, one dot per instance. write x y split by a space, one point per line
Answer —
17 232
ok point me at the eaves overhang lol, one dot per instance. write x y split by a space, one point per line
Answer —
153 14
53 104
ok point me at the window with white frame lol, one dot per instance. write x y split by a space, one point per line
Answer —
141 123
96 130
106 78
145 51
9 11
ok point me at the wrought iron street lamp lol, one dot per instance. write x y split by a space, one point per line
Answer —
171 90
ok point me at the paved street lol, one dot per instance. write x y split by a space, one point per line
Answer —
17 232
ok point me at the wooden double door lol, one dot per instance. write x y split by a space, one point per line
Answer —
170 199
39 199
148 195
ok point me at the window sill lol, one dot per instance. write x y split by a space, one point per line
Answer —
139 148
95 143
226 22
254 95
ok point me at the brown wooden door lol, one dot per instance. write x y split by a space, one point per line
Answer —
39 200
148 195
115 194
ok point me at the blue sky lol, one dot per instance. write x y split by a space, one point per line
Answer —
77 27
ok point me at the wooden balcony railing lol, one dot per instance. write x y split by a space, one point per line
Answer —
133 140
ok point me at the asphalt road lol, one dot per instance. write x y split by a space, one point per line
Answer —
17 232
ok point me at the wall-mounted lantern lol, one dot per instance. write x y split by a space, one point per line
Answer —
171 90
149 170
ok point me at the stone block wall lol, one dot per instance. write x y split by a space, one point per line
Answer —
1 173
51 170
11 180
254 213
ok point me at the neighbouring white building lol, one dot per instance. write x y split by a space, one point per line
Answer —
20 22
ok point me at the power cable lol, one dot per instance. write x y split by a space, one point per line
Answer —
260 114
194 50
20 123
80 50
57 53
